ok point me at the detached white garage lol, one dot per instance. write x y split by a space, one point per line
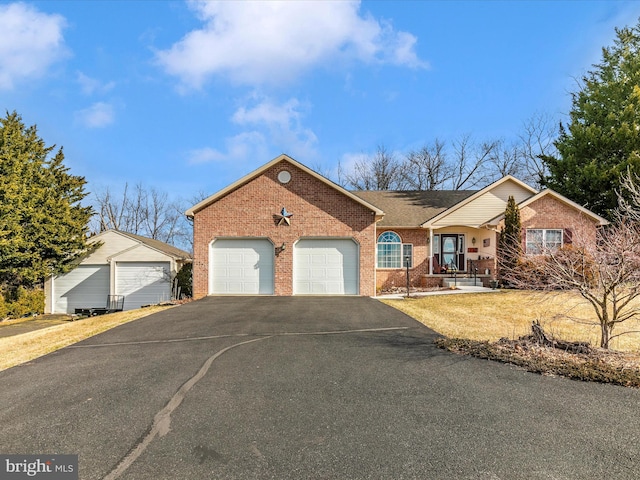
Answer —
241 266
326 266
139 268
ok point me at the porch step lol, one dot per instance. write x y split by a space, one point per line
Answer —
462 282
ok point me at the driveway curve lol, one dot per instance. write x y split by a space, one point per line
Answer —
307 387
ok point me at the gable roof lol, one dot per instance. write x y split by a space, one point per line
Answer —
162 247
282 158
412 208
523 187
548 192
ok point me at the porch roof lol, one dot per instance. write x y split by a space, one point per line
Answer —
412 208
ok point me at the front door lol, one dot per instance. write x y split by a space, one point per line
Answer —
452 250
449 250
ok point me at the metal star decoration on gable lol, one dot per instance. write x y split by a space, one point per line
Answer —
284 217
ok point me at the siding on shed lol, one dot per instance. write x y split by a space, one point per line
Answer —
112 243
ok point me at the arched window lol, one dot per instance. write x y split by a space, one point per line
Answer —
391 251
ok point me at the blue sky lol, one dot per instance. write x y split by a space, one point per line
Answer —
187 97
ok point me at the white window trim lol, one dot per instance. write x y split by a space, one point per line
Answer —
411 256
543 246
402 245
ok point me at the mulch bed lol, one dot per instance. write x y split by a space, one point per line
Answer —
593 364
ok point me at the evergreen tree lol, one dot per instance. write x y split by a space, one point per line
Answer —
602 138
510 239
43 226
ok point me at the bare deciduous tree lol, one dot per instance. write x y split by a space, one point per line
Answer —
427 168
536 141
382 171
629 196
605 271
468 167
142 211
506 159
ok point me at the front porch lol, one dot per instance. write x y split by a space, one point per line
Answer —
457 280
480 272
451 256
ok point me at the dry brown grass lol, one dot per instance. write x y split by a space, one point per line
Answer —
508 313
27 346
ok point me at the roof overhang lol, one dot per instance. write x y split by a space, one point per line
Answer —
256 173
548 192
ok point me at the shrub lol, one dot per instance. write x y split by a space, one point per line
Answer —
3 308
184 278
20 302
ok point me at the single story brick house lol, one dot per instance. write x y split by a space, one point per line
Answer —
284 229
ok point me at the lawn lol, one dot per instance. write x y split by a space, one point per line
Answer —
27 346
509 313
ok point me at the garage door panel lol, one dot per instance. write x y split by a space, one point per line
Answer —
143 283
84 287
242 266
326 267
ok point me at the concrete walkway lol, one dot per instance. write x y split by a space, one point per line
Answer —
459 290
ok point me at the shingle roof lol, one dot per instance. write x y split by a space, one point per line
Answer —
158 245
412 208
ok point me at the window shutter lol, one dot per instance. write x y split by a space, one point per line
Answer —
567 236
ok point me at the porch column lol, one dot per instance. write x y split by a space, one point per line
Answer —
430 251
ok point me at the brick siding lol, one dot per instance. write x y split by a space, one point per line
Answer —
318 211
397 277
550 213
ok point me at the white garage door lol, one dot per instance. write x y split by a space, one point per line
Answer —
241 266
84 287
326 267
143 283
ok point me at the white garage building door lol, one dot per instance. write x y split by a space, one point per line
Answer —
326 267
84 287
241 266
143 283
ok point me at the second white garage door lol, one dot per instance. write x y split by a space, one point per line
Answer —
143 283
325 267
241 266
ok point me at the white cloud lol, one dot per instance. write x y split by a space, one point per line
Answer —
259 42
271 128
98 115
239 148
282 123
31 41
204 155
89 85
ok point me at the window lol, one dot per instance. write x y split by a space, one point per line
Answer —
407 251
541 240
391 251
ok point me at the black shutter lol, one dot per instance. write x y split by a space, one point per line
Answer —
567 236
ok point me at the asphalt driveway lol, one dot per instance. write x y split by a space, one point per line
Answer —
296 388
